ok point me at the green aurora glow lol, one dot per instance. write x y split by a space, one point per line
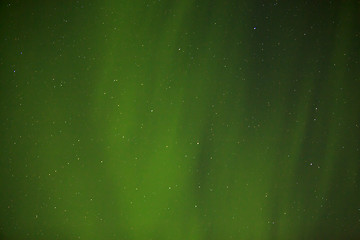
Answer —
180 120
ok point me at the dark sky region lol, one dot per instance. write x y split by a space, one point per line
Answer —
185 119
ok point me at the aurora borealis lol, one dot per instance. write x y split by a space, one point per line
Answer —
180 120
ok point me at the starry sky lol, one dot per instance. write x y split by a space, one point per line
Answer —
185 119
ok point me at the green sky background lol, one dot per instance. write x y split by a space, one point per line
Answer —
179 119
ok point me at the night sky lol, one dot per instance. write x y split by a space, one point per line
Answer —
180 120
